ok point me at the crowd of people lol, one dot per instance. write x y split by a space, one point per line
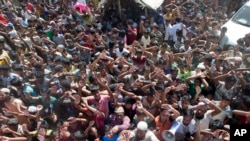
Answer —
76 72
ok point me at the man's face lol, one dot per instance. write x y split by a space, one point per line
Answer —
96 95
55 32
150 98
184 104
2 95
187 120
119 116
164 115
247 39
140 134
224 103
229 85
200 113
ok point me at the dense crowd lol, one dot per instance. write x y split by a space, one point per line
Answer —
74 71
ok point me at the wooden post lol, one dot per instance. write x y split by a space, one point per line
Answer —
119 8
146 12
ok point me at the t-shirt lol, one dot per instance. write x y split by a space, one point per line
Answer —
149 136
105 138
145 41
59 39
139 62
222 91
28 89
192 90
162 127
203 123
48 106
131 36
227 112
184 75
119 53
101 105
183 129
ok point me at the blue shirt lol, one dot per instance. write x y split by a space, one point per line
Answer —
30 90
115 137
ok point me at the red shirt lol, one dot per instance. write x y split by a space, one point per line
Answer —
102 105
131 36
139 62
3 20
30 6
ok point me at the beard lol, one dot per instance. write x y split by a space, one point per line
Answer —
140 138
199 117
120 49
5 99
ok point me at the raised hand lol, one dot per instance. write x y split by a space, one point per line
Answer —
139 105
92 123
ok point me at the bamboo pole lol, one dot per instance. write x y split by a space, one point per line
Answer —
119 8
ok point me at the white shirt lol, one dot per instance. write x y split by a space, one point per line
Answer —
183 129
25 14
118 53
168 32
174 29
149 136
183 49
145 41
60 54
203 123
13 34
82 1
227 112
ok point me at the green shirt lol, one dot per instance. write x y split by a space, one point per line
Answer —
184 75
192 90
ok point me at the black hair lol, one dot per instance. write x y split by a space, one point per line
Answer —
57 59
129 100
186 97
174 69
17 67
199 79
79 135
15 82
188 112
66 61
107 127
82 64
92 79
159 87
208 57
245 100
226 98
37 65
150 92
66 84
209 90
216 124
54 134
122 33
177 20
44 124
39 74
230 79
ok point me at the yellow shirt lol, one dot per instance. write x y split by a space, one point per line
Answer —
168 16
4 58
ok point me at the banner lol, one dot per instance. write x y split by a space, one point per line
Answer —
154 4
